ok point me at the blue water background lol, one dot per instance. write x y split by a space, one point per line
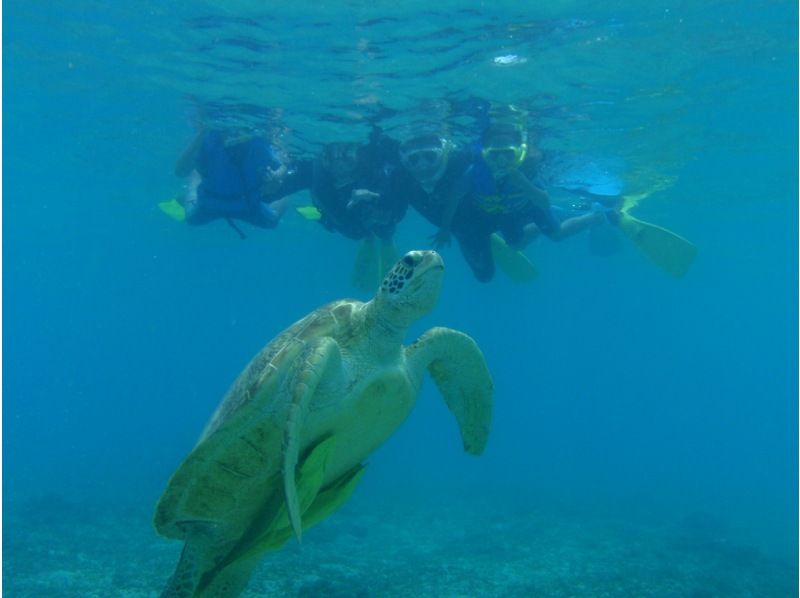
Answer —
617 387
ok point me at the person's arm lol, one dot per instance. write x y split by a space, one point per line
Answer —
555 230
359 196
187 160
297 177
451 204
576 224
536 196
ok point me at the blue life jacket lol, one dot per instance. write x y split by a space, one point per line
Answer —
234 173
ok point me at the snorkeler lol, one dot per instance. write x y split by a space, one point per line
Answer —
351 187
521 211
354 189
437 184
237 177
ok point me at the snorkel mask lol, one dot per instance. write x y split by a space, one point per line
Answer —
504 147
425 157
505 158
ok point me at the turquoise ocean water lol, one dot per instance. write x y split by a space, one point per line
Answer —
644 440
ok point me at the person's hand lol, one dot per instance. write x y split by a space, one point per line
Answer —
603 212
271 181
280 206
361 195
529 233
441 238
514 175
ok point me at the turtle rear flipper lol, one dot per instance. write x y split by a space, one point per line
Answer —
230 581
332 497
316 503
270 529
198 556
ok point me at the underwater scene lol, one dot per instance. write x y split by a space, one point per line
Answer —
388 299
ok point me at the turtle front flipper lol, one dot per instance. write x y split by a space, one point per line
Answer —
459 370
319 356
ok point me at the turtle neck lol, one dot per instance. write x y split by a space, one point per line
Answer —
384 332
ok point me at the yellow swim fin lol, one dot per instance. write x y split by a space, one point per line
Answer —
511 262
665 249
309 212
374 259
173 209
367 267
388 256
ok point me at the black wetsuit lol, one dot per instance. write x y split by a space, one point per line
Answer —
377 171
471 227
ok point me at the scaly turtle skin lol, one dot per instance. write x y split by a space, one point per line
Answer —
285 447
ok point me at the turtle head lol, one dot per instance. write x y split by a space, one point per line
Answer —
412 286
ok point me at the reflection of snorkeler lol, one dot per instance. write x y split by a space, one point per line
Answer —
589 186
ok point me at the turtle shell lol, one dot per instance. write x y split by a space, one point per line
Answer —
236 463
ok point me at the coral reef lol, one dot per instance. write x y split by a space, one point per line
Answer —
405 548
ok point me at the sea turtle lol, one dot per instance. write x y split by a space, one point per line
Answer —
285 447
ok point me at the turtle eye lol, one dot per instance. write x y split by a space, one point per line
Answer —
409 261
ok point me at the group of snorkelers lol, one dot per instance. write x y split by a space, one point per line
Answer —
489 195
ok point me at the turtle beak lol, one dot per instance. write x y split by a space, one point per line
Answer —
430 260
429 272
